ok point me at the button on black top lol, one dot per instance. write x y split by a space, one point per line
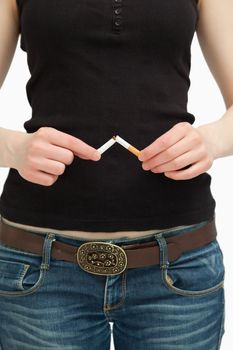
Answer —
118 22
117 11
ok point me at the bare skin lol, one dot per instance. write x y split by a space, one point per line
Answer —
182 145
42 156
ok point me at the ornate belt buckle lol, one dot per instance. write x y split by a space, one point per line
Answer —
102 258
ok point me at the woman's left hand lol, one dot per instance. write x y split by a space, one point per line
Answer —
181 146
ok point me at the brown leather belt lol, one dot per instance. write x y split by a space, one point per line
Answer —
106 258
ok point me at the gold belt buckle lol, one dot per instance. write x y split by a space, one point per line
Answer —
102 258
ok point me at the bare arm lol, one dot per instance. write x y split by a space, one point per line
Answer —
183 145
9 33
42 156
215 35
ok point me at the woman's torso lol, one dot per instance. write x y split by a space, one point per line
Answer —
98 69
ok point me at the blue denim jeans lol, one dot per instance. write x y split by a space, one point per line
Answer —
47 303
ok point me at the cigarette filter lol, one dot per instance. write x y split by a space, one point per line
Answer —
127 145
106 145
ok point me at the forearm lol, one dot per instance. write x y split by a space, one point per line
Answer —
9 141
219 134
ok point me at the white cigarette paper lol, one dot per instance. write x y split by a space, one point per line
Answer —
122 142
106 145
127 145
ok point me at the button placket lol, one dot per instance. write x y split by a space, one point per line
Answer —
117 18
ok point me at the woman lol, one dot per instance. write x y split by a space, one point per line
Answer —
90 238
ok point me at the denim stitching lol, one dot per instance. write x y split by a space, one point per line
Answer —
47 248
189 292
163 256
21 277
123 288
45 264
222 329
28 291
164 263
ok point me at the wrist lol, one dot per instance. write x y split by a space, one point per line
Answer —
10 145
213 137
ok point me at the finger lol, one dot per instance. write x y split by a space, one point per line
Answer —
59 154
180 162
49 166
173 152
79 147
83 157
165 141
62 155
42 178
193 171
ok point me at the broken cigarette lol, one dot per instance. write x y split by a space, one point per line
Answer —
106 145
127 145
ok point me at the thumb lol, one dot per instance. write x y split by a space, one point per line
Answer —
96 156
74 144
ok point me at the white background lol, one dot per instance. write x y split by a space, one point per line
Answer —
205 102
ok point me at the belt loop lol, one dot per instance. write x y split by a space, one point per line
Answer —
163 256
47 247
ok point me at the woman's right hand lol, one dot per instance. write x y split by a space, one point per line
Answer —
42 156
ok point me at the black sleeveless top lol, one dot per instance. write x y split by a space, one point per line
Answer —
101 68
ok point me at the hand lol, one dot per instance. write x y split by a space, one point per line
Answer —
42 156
181 146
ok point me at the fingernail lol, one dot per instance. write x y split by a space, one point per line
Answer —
144 168
141 157
96 155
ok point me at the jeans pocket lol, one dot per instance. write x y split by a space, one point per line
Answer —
198 272
21 273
